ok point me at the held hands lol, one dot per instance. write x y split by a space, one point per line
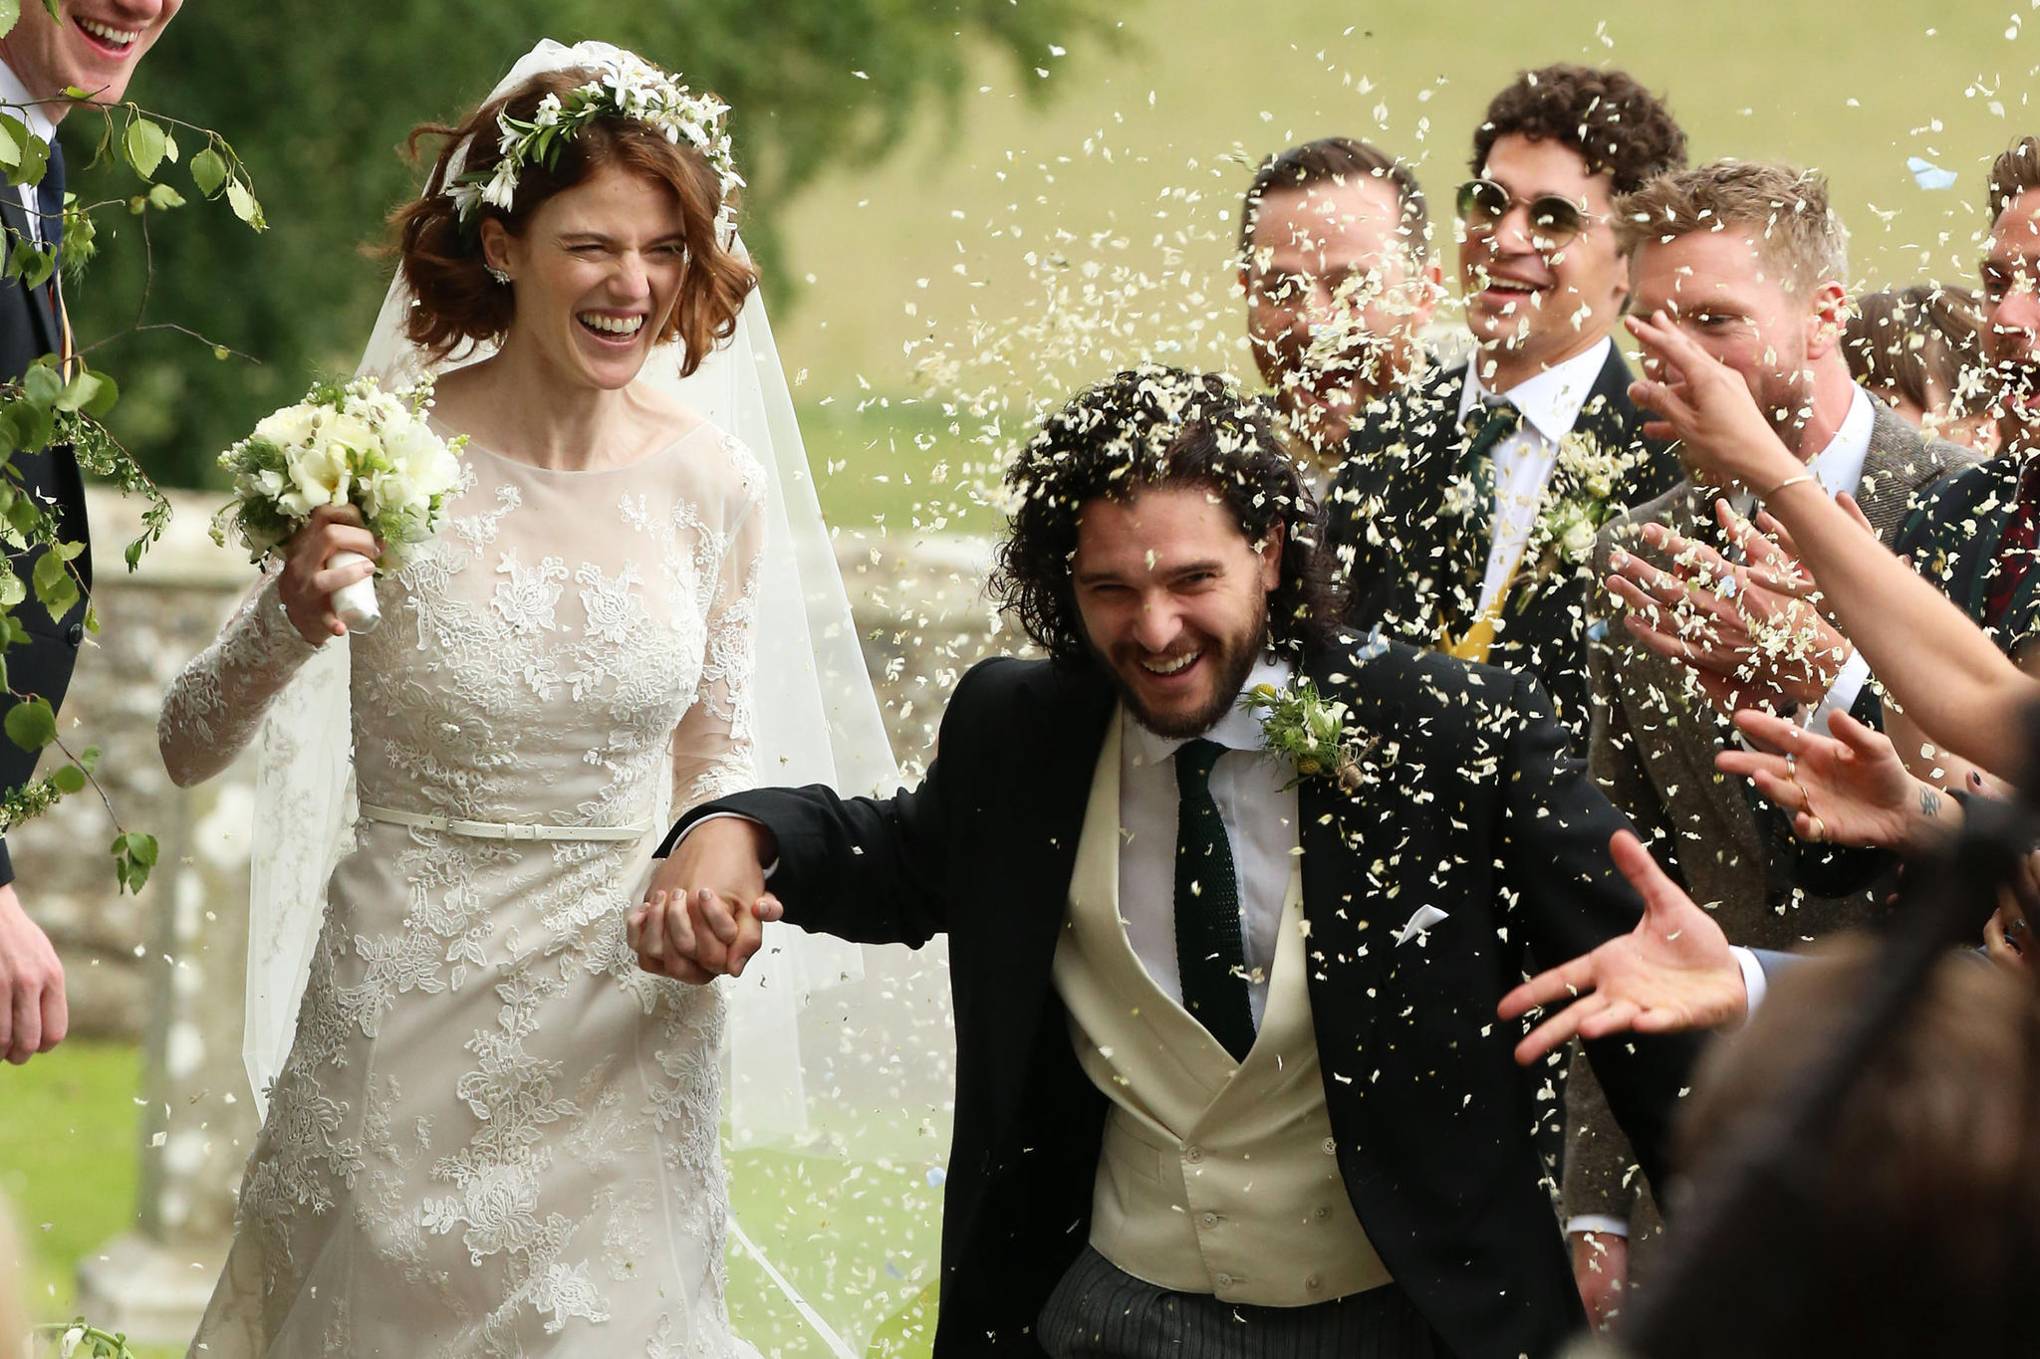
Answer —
1703 404
307 584
703 915
1674 971
33 1013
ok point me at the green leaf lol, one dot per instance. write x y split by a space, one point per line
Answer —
242 200
102 400
69 779
163 196
146 144
42 383
169 146
13 135
208 172
31 724
56 9
35 158
12 590
30 263
55 589
79 392
143 848
10 15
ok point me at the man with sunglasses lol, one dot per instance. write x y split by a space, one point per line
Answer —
1456 516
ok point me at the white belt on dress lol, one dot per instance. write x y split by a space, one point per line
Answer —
499 830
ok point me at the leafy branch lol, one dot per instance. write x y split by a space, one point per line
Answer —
63 401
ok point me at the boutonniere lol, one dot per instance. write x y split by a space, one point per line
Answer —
1302 726
1581 498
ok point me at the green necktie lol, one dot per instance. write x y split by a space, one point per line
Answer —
1210 957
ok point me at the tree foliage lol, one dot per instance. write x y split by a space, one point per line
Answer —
321 101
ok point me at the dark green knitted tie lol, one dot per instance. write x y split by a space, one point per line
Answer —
1210 957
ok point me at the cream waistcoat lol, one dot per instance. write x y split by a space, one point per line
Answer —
1216 1176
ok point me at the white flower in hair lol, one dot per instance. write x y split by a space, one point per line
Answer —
625 86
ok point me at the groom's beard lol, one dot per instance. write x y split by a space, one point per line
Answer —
1230 660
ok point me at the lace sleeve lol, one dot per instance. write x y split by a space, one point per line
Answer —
217 702
714 745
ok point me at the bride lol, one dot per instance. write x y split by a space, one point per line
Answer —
492 1134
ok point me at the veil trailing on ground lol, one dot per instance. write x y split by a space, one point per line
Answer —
840 1055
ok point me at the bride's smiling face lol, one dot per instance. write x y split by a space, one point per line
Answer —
596 274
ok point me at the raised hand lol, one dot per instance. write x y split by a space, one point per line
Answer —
1706 406
1850 788
307 584
1674 971
33 1012
703 915
1748 644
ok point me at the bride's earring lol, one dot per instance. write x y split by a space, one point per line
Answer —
501 276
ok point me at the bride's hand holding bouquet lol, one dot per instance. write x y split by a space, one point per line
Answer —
335 487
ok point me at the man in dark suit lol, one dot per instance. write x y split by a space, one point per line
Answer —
94 47
1456 514
1228 1083
1337 270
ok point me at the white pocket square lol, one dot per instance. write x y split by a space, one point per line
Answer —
1425 917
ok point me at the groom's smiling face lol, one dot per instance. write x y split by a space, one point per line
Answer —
1174 600
95 46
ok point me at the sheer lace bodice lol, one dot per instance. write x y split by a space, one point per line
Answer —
494 1136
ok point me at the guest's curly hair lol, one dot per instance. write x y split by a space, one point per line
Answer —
441 256
1146 428
1615 124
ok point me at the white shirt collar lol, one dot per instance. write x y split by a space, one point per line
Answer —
1550 400
1839 466
1237 730
14 92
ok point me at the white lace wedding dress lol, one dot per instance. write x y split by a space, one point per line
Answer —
494 1135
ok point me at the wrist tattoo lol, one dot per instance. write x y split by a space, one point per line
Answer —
1930 802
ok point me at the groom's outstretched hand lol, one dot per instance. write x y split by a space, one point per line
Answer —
1674 971
703 915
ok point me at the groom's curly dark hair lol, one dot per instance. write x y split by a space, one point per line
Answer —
1146 428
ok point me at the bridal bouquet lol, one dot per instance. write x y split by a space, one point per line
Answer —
342 445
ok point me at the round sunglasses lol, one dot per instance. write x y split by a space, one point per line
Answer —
1554 218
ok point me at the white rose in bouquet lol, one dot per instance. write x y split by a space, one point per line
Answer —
354 445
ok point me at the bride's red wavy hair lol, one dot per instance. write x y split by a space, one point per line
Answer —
441 257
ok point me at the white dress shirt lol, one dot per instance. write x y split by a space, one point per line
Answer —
1260 823
1839 468
1550 403
13 92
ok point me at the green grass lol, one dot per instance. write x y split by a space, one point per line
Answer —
898 467
841 1235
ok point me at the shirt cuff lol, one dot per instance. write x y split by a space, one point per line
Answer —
1598 1223
770 868
1842 694
1753 979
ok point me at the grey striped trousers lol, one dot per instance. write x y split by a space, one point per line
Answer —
1099 1311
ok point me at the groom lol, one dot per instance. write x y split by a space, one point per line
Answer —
1229 1081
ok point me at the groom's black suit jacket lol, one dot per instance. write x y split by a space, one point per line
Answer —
1478 810
30 327
1413 571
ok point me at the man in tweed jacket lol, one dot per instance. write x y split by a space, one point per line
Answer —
1748 260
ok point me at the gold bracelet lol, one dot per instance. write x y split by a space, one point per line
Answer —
1789 481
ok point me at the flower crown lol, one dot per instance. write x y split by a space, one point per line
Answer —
626 87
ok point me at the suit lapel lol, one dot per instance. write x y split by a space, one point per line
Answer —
1890 469
38 300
